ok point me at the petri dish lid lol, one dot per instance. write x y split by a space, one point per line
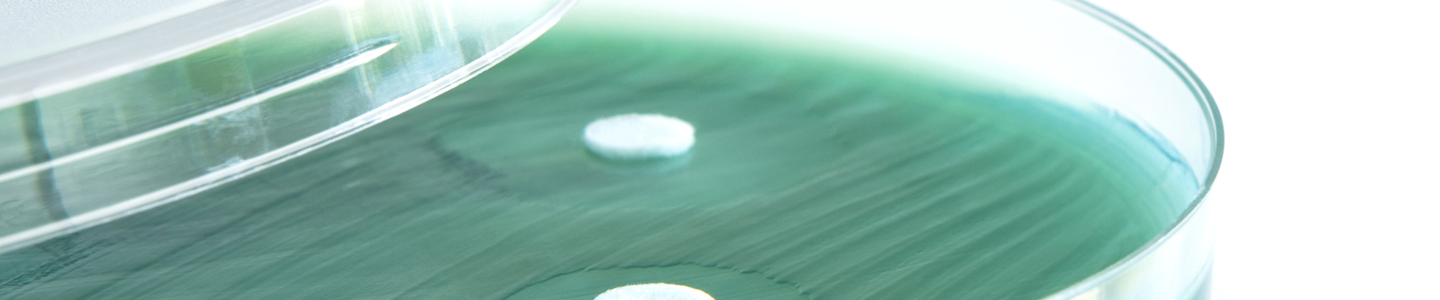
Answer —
108 108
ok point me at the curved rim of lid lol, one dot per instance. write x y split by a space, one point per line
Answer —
195 185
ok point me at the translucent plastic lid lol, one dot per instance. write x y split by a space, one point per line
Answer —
108 108
34 28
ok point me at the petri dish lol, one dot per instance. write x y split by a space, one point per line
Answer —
1035 149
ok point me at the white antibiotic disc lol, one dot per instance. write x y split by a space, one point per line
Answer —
639 136
654 291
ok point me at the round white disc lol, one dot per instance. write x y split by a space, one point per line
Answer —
654 291
639 136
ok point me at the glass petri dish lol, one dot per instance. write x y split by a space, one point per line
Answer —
805 179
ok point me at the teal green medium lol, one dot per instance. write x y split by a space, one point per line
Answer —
812 177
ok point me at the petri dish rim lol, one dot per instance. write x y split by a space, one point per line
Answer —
1213 122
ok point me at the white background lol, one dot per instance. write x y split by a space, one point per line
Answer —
1328 188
